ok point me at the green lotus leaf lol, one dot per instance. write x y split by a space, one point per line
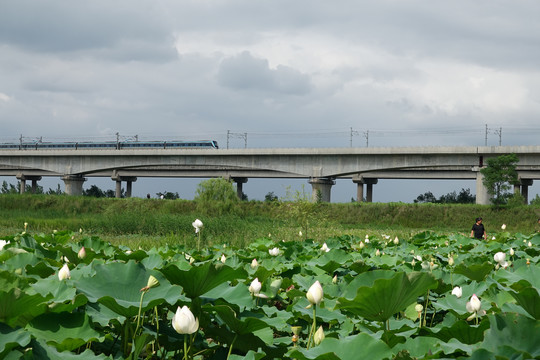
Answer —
458 305
238 295
153 261
236 322
20 261
388 296
17 307
529 299
251 355
420 346
331 260
40 350
67 331
361 346
300 310
512 334
460 330
477 272
12 338
118 286
200 279
60 290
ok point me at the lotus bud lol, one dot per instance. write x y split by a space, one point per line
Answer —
499 257
184 322
315 293
503 226
54 231
25 226
319 335
413 262
450 260
223 258
361 245
325 248
378 253
3 243
254 264
82 253
511 252
474 304
191 260
64 273
334 279
197 224
493 238
80 230
255 286
367 239
300 233
457 291
529 244
396 240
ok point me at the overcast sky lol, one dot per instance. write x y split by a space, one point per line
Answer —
286 73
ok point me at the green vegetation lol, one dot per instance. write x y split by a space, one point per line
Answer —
69 295
499 175
150 222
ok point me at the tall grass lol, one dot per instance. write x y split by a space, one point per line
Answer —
153 222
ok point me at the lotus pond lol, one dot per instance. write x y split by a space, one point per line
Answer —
380 297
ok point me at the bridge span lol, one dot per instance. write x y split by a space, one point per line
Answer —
320 166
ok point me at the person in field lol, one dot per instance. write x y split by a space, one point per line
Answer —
478 231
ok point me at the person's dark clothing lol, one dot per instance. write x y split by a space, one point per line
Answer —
478 231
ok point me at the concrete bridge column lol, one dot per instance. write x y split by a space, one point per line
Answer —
22 178
321 187
482 196
239 188
525 183
129 184
74 184
360 181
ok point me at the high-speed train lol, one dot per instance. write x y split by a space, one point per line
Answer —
174 144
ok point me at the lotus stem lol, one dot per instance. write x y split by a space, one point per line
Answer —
185 347
231 347
313 326
139 316
425 309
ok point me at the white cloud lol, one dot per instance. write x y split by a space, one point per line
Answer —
4 97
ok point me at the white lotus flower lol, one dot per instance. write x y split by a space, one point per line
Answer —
255 286
450 261
457 291
396 240
367 239
325 248
82 253
254 264
3 243
315 293
223 258
474 304
499 257
64 273
184 322
493 238
529 244
319 335
300 233
197 224
503 226
274 251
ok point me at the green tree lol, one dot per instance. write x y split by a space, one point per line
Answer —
216 196
426 197
499 175
270 197
168 195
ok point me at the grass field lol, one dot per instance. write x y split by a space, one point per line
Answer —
153 222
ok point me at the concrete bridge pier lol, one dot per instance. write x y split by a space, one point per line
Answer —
321 188
74 184
239 185
524 184
22 178
129 184
482 196
369 182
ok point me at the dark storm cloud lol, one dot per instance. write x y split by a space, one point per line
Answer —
244 72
